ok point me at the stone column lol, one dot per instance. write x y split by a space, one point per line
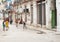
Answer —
34 13
48 14
58 14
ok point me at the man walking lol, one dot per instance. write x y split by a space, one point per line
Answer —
3 25
24 25
16 21
11 21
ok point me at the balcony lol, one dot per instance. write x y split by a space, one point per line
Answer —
24 1
40 1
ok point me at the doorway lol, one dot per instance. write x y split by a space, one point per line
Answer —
41 15
54 16
31 13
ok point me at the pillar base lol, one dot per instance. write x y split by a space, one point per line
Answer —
58 28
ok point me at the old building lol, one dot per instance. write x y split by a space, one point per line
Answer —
42 13
39 13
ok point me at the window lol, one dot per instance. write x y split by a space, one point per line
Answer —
26 10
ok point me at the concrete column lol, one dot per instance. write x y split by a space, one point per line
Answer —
48 14
34 13
28 14
58 14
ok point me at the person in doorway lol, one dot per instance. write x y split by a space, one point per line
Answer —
3 25
7 25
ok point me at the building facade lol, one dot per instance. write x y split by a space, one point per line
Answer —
40 13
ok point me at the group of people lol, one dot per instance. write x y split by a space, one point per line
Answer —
6 24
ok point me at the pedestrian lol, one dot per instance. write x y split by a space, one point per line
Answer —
7 25
16 21
11 21
3 25
24 25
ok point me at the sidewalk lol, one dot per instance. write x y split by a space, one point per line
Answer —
42 30
39 29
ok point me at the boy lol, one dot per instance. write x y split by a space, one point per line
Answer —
7 25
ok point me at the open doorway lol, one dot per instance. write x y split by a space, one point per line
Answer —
41 15
54 16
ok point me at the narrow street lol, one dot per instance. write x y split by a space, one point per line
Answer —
19 35
29 20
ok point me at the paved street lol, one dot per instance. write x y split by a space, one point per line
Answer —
19 35
41 17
